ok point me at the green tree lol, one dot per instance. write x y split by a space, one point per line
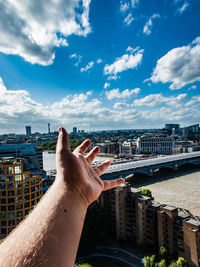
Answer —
162 263
146 192
181 262
163 253
149 261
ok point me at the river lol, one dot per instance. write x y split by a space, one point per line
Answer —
179 188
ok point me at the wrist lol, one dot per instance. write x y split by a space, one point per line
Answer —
72 195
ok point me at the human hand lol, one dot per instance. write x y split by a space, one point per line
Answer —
74 168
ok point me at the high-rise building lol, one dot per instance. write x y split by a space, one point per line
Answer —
171 126
75 130
28 130
20 190
49 129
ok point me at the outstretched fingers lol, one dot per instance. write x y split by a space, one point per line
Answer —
102 167
63 140
92 154
109 184
83 147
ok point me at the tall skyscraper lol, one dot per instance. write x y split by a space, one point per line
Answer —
49 130
74 130
28 130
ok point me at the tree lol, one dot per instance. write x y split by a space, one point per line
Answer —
163 253
146 192
149 261
181 262
162 263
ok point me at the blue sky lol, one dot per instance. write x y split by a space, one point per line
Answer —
116 64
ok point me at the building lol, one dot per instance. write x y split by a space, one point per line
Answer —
155 144
20 190
125 148
74 130
28 151
49 129
136 218
108 147
172 126
28 130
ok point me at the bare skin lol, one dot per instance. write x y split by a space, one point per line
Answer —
50 235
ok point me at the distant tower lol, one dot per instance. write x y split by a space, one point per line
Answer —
28 130
49 130
75 130
173 131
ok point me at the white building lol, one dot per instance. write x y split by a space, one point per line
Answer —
155 144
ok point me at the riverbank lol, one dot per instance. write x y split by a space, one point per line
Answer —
180 188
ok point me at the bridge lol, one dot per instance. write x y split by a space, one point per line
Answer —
149 166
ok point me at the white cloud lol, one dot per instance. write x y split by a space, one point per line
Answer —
88 66
99 60
157 99
124 6
129 19
18 109
78 57
180 66
194 87
115 93
183 8
113 77
149 24
38 27
106 85
125 62
135 3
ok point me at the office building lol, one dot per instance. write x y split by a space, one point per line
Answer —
74 130
172 126
136 218
155 144
21 189
49 129
28 130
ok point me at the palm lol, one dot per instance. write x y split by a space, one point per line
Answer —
76 169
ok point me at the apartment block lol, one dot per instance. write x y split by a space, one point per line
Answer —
135 218
20 190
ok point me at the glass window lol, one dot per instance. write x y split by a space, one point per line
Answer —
27 205
11 215
11 200
26 198
26 190
19 207
19 192
11 207
18 177
33 202
2 178
3 223
26 212
32 182
11 223
19 214
2 171
3 231
10 178
32 189
10 170
26 184
18 185
3 215
3 208
37 181
18 169
18 199
3 186
25 176
3 193
10 186
11 193
3 201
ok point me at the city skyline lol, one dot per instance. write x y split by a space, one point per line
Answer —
116 64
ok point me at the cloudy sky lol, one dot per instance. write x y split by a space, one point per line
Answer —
117 64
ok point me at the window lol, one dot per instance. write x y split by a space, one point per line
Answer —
3 201
19 207
3 186
3 208
11 207
26 190
26 198
32 196
19 214
27 205
18 177
26 184
18 185
19 192
32 189
9 170
18 199
2 178
25 176
3 193
18 169
11 215
10 178
3 215
2 171
11 200
10 186
11 193
3 223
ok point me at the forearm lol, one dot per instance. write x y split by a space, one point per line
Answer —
50 235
